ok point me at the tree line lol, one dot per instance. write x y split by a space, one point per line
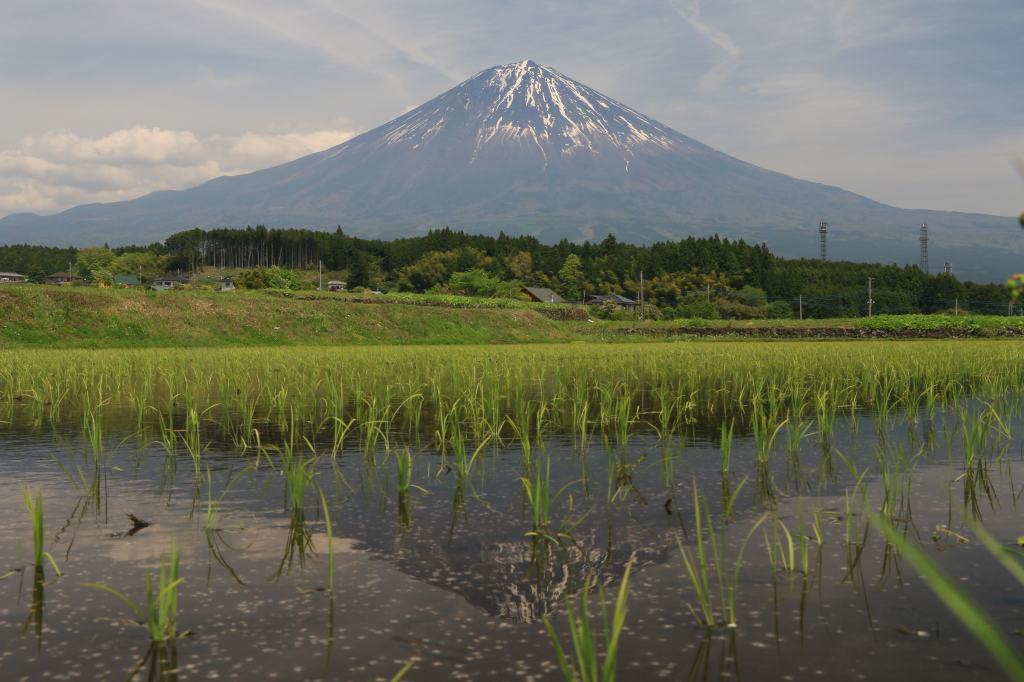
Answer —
694 276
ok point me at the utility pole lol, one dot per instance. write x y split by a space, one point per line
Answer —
823 234
709 292
924 247
801 306
956 307
871 301
320 269
641 294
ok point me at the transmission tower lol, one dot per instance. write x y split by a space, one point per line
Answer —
823 234
924 247
947 268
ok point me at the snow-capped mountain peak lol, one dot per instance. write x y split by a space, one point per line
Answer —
525 103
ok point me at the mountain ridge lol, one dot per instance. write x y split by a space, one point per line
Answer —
524 149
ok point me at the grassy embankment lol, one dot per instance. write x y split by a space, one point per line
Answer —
44 316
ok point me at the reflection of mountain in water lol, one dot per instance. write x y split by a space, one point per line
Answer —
519 581
497 568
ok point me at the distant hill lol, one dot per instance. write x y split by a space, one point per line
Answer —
524 149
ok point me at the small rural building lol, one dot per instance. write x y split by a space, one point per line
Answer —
12 278
61 278
335 285
620 301
542 295
226 284
127 281
166 282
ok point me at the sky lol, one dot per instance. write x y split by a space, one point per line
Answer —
916 103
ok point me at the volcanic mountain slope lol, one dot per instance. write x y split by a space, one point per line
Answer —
524 149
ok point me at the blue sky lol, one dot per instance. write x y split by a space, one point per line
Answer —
914 103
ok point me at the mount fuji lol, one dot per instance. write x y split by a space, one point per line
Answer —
522 148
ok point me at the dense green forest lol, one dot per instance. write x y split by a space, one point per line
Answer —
692 277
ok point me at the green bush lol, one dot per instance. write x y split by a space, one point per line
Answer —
778 310
701 310
274 277
734 310
477 282
609 310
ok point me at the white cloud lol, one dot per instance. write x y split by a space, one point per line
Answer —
713 79
855 25
60 169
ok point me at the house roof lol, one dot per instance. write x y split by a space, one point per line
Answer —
615 298
11 274
543 295
126 279
167 278
62 275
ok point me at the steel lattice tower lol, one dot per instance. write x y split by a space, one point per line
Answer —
924 247
823 233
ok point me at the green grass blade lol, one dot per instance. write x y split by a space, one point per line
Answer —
136 609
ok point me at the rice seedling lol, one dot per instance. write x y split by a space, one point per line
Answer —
192 438
780 556
92 427
666 418
726 448
461 462
539 498
896 470
729 496
340 430
586 661
35 513
708 571
168 436
298 476
796 431
765 435
524 441
404 477
446 424
159 614
702 382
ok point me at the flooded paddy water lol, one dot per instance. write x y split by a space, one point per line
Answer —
342 514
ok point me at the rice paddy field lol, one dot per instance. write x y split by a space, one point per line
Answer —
687 510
